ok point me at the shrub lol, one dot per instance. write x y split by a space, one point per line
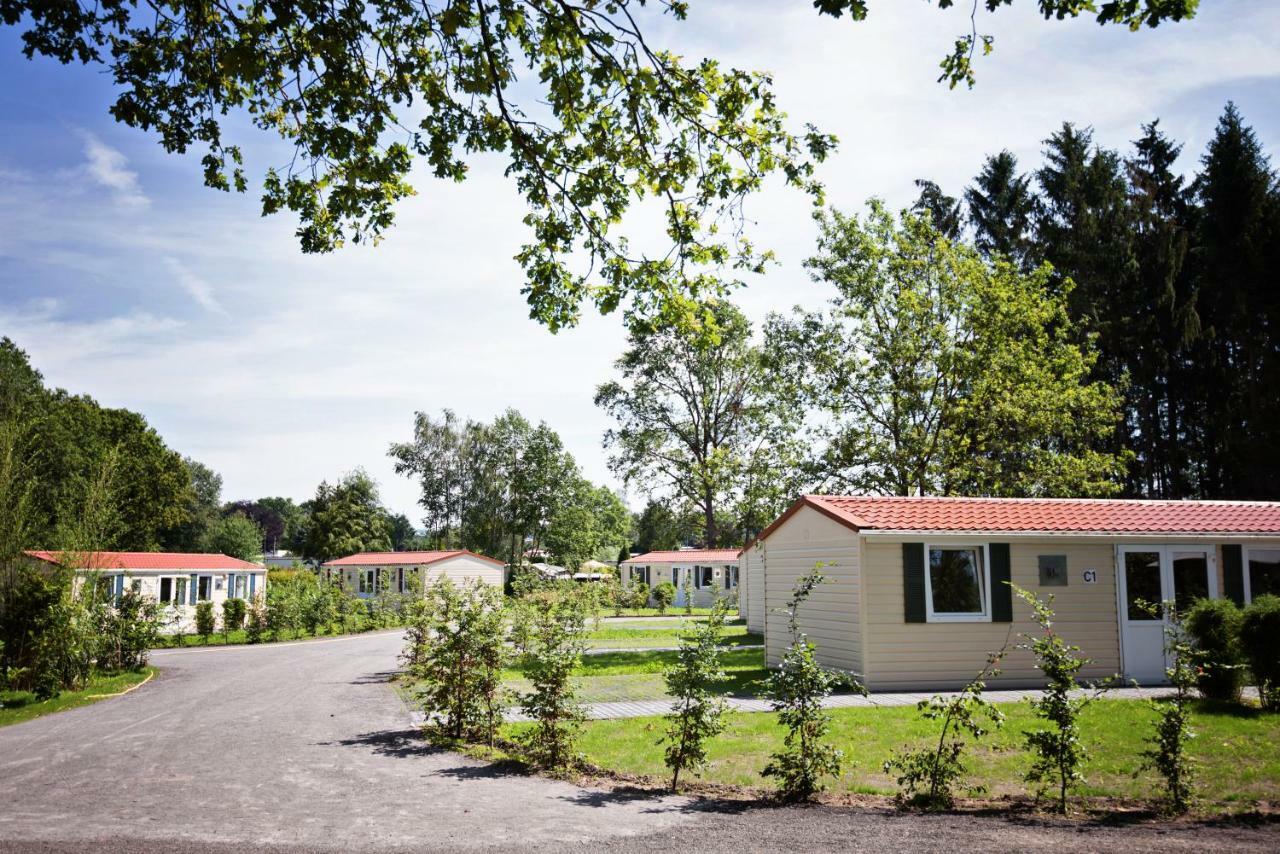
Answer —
130 630
255 620
1059 753
664 594
1260 641
698 714
551 642
1213 626
460 651
686 593
639 595
1167 753
205 621
928 776
232 617
796 691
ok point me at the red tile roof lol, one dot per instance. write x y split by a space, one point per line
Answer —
1044 515
151 560
688 556
404 558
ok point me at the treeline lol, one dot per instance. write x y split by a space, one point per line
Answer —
507 487
1098 326
1174 280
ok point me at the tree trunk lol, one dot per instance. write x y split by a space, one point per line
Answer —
709 507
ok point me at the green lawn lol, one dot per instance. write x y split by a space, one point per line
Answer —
613 676
1236 749
19 706
673 611
664 633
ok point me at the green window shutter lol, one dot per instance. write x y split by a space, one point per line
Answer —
1001 592
1233 573
913 582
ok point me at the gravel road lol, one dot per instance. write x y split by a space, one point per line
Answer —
304 747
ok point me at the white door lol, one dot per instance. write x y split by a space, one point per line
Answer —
1148 576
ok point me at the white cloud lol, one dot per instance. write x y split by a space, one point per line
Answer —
199 289
110 169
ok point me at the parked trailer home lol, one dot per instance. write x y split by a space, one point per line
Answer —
368 573
175 579
708 573
917 593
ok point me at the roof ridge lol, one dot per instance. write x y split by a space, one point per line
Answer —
1220 502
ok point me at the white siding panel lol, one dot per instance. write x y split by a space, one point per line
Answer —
831 616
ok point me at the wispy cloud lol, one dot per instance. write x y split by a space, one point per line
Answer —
109 168
199 289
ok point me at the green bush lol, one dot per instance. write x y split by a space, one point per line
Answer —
1260 641
204 620
129 631
255 621
232 615
663 595
1214 628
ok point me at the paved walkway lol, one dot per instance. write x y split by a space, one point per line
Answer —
652 708
601 650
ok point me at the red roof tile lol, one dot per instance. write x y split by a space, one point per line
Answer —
152 560
688 556
1044 515
399 558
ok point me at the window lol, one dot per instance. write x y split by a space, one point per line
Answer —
703 577
956 584
675 576
1142 586
1263 575
180 590
366 581
166 589
1190 578
241 587
204 584
730 577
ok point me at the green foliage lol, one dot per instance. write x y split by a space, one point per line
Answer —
698 712
500 487
1166 751
128 632
1260 641
928 776
1213 626
255 620
346 518
551 639
664 593
459 648
235 535
65 442
686 593
233 613
604 125
205 620
796 690
695 417
1058 752
938 371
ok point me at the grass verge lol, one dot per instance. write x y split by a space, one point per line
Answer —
1238 765
19 706
240 637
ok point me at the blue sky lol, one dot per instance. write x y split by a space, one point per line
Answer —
124 278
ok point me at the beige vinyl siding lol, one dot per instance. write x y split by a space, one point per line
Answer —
466 568
901 655
751 587
831 616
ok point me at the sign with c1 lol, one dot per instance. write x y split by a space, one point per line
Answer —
1090 576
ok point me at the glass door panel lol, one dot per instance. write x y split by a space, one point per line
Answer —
1142 586
1190 578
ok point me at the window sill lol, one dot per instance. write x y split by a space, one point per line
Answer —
958 618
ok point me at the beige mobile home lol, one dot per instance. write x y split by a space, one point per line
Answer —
705 573
177 580
917 594
368 573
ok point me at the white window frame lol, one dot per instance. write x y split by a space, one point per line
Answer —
984 554
1247 581
240 587
209 588
173 589
730 577
367 581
